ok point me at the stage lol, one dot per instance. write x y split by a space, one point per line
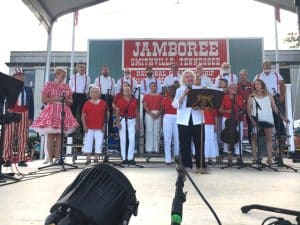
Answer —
227 190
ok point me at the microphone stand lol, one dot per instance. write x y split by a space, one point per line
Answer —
3 122
62 126
259 164
106 157
239 163
180 196
247 208
280 136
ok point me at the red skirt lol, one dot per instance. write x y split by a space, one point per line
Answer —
49 120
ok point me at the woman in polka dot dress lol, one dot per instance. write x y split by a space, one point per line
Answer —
49 121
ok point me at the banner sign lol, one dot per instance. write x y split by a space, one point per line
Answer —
187 53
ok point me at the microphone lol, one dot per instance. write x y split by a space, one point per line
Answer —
256 103
189 86
274 91
108 91
63 96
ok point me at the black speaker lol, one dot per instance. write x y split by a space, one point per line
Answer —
99 195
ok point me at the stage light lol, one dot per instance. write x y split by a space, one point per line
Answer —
99 195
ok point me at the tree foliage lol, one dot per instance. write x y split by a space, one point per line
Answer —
293 39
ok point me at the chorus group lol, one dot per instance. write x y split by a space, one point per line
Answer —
193 133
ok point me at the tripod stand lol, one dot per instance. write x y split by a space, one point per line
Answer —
280 134
258 163
62 126
3 116
9 92
106 157
239 163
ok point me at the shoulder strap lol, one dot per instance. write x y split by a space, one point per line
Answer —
111 87
84 89
99 79
145 87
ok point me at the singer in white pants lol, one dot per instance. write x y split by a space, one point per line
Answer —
94 114
92 134
153 129
152 106
170 128
127 111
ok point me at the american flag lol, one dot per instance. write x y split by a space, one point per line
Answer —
277 13
76 14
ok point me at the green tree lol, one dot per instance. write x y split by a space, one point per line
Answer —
293 39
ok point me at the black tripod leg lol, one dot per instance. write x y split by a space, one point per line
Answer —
4 178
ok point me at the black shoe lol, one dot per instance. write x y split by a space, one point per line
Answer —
22 164
131 162
125 162
7 164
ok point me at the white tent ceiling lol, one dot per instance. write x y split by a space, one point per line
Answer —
288 5
47 11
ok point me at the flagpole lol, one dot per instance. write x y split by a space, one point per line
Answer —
276 39
73 43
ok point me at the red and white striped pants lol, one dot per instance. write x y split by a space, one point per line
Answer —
16 134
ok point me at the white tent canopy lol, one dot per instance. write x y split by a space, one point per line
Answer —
288 5
47 11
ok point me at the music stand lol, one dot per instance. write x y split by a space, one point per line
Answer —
9 92
203 98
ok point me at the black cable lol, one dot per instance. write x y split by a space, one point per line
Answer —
204 199
181 168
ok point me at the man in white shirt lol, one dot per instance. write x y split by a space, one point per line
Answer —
174 77
106 84
276 87
145 83
205 81
226 74
79 84
128 79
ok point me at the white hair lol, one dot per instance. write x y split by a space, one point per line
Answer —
184 74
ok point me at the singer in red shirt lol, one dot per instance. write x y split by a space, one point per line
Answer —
170 129
126 117
226 109
245 88
152 106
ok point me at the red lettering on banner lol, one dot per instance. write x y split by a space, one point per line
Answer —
160 54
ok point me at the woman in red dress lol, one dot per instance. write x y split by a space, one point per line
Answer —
49 121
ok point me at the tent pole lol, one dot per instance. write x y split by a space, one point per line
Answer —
46 79
48 56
